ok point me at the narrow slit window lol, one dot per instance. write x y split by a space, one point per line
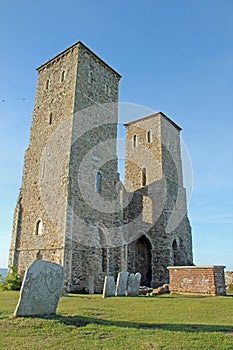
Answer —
50 118
107 90
63 76
47 84
98 182
135 141
143 176
90 77
149 136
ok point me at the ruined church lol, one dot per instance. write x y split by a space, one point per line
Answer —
72 208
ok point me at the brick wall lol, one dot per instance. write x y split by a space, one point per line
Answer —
203 280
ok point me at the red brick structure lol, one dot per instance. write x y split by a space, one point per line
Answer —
202 280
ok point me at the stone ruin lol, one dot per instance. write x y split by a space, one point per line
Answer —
41 289
127 285
148 229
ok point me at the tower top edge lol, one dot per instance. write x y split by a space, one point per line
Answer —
77 44
158 114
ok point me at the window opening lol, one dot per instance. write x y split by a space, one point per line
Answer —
90 77
63 76
50 118
107 90
47 84
143 176
149 136
135 141
98 182
38 230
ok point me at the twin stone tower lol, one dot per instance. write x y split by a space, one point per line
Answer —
72 208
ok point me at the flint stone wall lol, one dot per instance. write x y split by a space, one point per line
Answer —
72 232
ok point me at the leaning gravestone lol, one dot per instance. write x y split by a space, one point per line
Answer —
121 286
133 284
109 287
41 289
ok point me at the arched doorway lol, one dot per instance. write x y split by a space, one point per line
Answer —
143 261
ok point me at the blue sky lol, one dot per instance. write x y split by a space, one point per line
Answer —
174 56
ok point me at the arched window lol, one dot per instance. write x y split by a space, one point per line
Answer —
50 118
38 228
149 136
135 141
90 77
98 182
63 76
47 84
175 246
107 90
143 176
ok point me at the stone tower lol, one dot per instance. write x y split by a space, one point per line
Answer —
71 208
157 212
74 117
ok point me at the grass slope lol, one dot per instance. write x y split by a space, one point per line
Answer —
90 322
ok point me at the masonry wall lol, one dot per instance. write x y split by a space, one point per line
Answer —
157 209
93 216
207 280
43 193
60 215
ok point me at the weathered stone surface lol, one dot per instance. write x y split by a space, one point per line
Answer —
161 290
133 284
41 289
143 290
109 287
121 285
229 278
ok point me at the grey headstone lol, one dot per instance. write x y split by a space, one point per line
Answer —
133 284
41 289
121 286
91 284
109 287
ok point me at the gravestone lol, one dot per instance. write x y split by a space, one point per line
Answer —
91 289
41 289
133 284
109 287
121 286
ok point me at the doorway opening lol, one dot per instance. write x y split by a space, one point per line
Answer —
143 262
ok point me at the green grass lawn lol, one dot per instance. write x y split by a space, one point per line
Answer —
90 322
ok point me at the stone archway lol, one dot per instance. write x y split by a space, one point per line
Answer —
143 261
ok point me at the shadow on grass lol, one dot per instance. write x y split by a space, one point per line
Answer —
81 321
